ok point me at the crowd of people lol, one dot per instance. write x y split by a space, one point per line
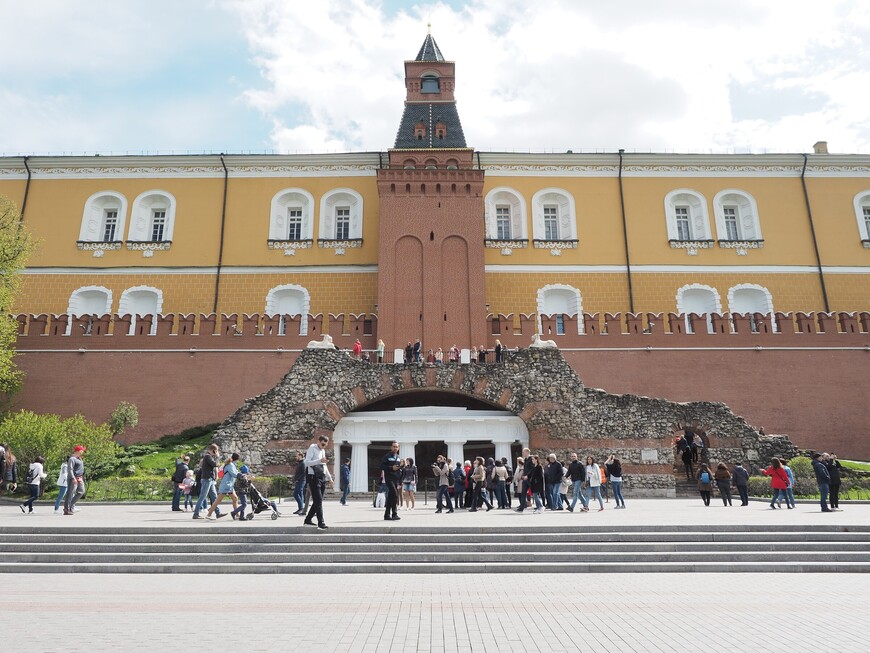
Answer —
414 353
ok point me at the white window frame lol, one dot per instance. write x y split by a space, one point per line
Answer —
576 303
93 216
565 210
503 229
124 306
342 223
699 218
341 198
74 308
502 196
681 305
282 202
862 201
748 225
272 305
141 215
158 220
732 292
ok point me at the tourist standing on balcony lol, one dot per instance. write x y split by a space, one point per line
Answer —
357 349
823 480
380 350
391 466
418 350
498 351
741 479
409 353
299 483
317 476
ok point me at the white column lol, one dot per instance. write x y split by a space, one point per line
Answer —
465 356
398 356
359 467
408 450
503 450
456 451
336 464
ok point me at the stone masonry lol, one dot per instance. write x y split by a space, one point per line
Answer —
561 414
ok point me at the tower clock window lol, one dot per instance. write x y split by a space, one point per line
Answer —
430 84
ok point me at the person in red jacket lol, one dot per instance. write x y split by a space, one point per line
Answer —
778 480
357 349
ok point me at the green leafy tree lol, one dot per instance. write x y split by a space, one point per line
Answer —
126 415
16 245
52 437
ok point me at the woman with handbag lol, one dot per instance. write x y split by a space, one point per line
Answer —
227 488
34 475
778 481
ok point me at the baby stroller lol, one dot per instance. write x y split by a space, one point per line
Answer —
259 503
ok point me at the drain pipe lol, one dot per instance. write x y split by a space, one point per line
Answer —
26 190
217 279
813 232
625 236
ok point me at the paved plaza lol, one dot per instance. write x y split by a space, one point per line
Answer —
451 612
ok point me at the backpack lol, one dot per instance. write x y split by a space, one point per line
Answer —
31 475
705 477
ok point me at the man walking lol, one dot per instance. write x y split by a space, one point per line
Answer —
553 476
823 479
458 486
75 480
391 467
299 482
344 481
181 467
208 478
442 470
577 474
528 465
741 480
317 476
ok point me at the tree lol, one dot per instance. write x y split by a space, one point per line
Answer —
126 414
16 244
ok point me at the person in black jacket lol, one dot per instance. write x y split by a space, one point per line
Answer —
536 484
613 466
553 477
740 475
299 485
833 465
577 474
181 467
823 480
391 466
208 478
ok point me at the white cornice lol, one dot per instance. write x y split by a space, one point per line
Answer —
676 269
285 270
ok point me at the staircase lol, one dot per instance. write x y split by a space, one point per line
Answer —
392 549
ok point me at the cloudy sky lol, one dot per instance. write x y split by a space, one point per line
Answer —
326 75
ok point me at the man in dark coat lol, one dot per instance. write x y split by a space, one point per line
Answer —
823 479
181 467
391 466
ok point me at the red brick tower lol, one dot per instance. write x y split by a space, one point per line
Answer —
431 268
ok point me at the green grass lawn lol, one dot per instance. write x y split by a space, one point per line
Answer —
853 464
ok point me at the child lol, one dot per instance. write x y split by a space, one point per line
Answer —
187 488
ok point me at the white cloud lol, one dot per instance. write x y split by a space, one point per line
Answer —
559 74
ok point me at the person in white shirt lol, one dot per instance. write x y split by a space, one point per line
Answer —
318 476
593 483
34 475
61 488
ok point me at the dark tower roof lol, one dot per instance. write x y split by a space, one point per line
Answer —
430 115
429 51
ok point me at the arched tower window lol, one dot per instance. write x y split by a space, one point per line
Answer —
429 83
139 301
104 217
152 218
686 214
420 131
505 214
289 299
292 215
701 300
736 216
440 130
341 215
560 300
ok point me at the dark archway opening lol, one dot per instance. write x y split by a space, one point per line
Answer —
416 398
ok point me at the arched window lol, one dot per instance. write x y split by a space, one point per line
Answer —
139 301
152 218
751 298
862 214
560 300
736 216
89 300
429 83
701 300
292 215
289 299
686 214
505 214
341 215
104 217
553 215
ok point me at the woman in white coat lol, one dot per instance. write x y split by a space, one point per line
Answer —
593 483
61 488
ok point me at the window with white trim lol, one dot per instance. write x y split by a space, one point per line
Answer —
560 300
749 299
686 216
294 223
700 300
341 215
862 214
152 217
503 222
103 218
736 216
866 210
342 222
140 301
289 300
110 225
554 216
505 214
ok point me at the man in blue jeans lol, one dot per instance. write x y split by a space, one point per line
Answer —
299 484
823 479
344 481
577 474
207 480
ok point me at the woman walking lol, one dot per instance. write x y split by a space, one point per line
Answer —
705 483
9 477
227 488
61 487
593 483
614 470
536 484
500 476
723 482
34 475
778 481
409 483
479 478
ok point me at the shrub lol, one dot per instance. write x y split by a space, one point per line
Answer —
52 437
125 415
